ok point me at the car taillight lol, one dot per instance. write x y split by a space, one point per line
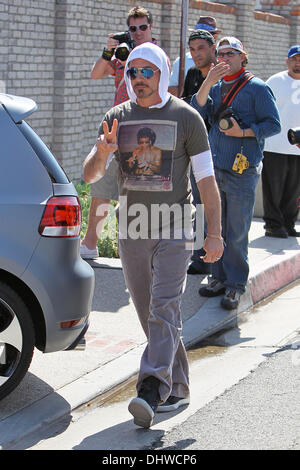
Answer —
61 218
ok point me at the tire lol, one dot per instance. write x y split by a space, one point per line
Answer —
17 339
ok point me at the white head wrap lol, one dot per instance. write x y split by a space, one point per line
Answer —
154 54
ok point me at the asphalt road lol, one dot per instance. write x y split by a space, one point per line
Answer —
261 412
244 395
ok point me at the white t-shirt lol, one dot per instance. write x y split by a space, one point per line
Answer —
287 93
174 77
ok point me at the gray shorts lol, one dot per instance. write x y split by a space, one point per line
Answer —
107 187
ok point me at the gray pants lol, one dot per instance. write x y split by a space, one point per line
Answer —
155 274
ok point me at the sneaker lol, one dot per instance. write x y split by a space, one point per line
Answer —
86 253
172 403
213 289
292 232
144 406
231 299
276 233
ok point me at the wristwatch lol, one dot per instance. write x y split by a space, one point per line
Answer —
107 54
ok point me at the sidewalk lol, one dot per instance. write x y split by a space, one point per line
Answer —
59 382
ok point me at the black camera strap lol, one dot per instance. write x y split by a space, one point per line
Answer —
236 87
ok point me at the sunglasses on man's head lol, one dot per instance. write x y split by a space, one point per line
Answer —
142 27
147 72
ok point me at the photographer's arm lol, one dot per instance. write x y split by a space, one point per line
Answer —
266 122
215 74
102 67
237 131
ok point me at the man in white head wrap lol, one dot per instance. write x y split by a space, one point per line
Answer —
155 259
156 56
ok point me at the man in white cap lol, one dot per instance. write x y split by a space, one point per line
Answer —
242 112
155 259
206 23
281 170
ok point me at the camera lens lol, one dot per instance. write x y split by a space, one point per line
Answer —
122 51
294 136
225 123
291 137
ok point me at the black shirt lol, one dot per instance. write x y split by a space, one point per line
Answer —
192 83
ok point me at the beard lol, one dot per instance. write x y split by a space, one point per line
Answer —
144 92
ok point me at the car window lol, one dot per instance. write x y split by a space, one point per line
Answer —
54 169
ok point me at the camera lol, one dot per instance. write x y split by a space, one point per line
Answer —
225 122
126 44
294 136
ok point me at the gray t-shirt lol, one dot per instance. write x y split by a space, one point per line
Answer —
154 150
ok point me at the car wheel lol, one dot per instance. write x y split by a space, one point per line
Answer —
17 339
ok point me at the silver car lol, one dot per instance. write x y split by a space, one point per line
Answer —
46 289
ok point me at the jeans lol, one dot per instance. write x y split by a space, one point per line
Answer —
237 193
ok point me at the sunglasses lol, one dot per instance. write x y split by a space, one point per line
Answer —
229 54
147 72
142 27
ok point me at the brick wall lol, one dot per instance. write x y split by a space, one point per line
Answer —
26 56
47 50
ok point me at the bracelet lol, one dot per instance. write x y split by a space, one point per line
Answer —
107 55
217 237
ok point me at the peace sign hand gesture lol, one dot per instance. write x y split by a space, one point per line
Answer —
94 165
107 142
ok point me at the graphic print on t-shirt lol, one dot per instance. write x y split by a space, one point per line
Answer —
146 151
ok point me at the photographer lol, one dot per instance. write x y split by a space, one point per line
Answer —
281 171
140 23
237 154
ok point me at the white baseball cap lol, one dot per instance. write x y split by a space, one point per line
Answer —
233 42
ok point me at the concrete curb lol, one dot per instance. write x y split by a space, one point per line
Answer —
57 405
277 272
272 275
269 277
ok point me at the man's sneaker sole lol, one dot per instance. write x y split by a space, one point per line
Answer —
165 407
205 292
142 412
89 256
86 253
276 235
229 305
